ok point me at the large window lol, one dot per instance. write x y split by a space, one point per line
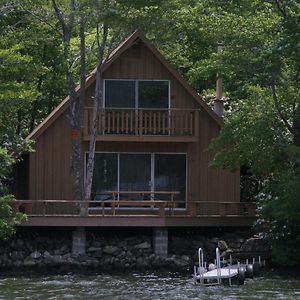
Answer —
136 93
151 172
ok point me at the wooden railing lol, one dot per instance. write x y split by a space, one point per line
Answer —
110 207
172 122
206 208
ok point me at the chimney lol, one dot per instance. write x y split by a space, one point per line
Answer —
218 102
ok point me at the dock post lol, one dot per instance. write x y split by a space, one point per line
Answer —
79 241
160 241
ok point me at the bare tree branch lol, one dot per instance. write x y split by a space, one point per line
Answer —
39 18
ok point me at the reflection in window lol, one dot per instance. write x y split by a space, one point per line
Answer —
136 94
170 175
153 94
105 176
120 93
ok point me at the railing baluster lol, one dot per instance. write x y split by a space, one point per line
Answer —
122 121
141 122
113 122
108 120
159 121
154 123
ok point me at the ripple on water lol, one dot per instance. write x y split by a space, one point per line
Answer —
142 286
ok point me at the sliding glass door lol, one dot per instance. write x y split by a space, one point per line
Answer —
134 172
170 175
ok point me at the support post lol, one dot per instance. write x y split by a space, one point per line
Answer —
79 241
160 241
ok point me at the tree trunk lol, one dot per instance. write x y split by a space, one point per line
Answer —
98 102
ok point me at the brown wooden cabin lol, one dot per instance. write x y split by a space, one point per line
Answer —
151 163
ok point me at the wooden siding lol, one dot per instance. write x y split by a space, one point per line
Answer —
50 165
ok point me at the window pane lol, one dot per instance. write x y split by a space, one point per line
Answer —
170 175
105 176
153 94
120 93
135 172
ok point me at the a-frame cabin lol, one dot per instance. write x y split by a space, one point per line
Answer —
152 158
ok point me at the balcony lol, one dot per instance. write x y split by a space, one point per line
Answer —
153 125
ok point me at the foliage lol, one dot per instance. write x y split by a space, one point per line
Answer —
8 220
260 65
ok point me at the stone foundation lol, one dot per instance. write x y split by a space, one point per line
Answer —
122 249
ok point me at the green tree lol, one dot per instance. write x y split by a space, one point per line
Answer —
8 220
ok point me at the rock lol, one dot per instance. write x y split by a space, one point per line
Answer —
57 259
133 241
46 254
20 243
110 250
222 245
97 254
185 257
35 255
29 263
17 263
179 262
97 243
93 249
144 245
17 255
140 262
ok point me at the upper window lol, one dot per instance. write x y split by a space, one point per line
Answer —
137 93
120 93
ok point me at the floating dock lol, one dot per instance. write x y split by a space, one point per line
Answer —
218 273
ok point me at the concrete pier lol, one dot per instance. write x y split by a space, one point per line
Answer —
160 241
79 241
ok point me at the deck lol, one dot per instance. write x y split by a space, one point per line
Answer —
135 213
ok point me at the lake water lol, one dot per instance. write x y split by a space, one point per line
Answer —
133 285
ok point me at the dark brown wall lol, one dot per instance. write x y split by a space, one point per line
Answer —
50 164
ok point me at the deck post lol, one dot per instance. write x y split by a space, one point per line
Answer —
160 241
79 241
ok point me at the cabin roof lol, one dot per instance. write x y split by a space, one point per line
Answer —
127 43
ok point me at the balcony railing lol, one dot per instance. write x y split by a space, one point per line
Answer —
144 122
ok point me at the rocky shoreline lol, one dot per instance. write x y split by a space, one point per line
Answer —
118 252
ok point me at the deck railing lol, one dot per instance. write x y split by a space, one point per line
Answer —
165 122
132 207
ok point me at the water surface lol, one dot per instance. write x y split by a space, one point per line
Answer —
134 285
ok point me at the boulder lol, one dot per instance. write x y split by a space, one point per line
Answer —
144 245
110 250
46 254
35 255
